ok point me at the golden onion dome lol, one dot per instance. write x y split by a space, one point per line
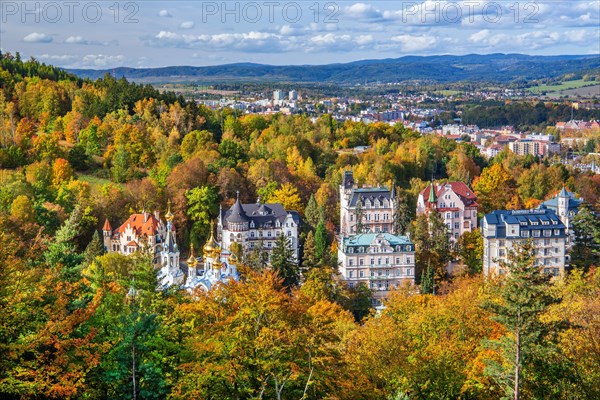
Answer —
232 259
192 260
217 252
169 214
211 246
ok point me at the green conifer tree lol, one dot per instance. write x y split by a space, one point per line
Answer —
284 262
528 348
586 251
321 241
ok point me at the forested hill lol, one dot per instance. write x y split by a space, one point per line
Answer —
473 67
76 323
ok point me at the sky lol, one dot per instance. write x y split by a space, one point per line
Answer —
107 34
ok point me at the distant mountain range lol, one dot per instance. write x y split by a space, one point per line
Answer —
502 68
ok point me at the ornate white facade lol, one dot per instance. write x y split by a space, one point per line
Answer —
503 229
377 207
252 224
456 203
381 260
148 231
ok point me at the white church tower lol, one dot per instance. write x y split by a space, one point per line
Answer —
170 272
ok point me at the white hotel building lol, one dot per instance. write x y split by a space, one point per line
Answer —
381 260
503 229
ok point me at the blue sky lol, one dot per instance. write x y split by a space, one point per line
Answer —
108 34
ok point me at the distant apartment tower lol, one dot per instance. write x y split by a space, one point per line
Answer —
534 147
293 95
278 95
456 203
504 229
381 261
376 207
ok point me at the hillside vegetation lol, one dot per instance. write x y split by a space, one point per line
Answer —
76 323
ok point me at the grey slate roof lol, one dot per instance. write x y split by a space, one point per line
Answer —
528 220
263 215
573 203
369 194
236 213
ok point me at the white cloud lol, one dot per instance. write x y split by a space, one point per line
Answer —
37 38
331 42
414 43
480 36
164 13
533 40
186 25
249 42
363 40
98 61
362 11
102 61
76 40
288 30
57 59
80 40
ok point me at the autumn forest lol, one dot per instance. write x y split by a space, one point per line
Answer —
76 323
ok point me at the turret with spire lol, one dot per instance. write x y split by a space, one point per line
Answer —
563 206
169 256
432 200
106 235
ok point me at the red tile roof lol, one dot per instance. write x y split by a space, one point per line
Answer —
460 188
106 226
141 227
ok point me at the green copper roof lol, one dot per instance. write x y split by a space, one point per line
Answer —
365 239
432 197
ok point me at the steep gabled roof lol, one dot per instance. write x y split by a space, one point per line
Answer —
460 188
143 224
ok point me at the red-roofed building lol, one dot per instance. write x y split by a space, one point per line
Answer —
136 232
457 204
147 230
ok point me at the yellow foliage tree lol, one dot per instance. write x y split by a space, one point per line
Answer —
494 188
61 171
289 197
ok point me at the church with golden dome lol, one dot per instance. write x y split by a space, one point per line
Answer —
147 231
215 266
